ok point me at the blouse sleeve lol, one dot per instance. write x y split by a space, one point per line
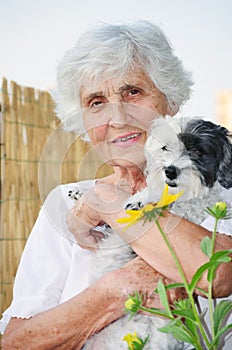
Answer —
45 261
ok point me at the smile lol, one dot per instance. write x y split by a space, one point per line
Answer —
127 138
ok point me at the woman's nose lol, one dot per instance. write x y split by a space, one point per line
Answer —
118 115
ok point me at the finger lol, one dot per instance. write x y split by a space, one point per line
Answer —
86 241
89 243
97 234
82 231
106 198
84 246
76 224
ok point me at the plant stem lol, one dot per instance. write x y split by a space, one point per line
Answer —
210 288
179 267
190 294
214 237
155 312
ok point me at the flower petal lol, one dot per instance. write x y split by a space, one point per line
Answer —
167 198
133 213
123 220
136 215
149 207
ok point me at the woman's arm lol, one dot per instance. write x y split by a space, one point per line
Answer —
185 238
66 326
70 324
106 203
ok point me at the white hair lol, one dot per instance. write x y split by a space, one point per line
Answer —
112 50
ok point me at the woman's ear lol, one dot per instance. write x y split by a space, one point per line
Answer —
172 109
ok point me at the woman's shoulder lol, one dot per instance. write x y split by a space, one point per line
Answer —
75 189
59 201
83 185
69 192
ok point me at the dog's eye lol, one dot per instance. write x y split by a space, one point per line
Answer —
199 152
164 148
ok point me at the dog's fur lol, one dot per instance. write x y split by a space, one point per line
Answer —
191 155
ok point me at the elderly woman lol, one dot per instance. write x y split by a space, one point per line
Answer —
121 77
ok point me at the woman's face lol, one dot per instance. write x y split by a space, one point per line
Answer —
118 113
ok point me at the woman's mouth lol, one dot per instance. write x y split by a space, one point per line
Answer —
127 139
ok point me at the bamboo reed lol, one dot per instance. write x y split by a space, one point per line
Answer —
29 126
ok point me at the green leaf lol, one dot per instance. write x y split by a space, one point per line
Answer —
214 262
206 246
183 308
219 334
212 272
174 285
198 274
163 297
224 259
171 286
156 311
210 212
179 331
182 304
218 256
186 314
220 312
192 327
202 291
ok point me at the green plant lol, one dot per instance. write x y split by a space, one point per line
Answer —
134 342
185 322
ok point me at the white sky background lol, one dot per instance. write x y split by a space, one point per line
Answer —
35 34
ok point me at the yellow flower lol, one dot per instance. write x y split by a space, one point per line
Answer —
136 215
133 303
131 339
130 303
219 211
220 206
167 198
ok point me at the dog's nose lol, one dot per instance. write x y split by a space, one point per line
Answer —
172 172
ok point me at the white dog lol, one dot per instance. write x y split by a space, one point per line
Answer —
190 155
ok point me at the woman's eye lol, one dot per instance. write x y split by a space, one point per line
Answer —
95 103
134 92
130 93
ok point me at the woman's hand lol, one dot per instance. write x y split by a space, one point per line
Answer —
103 203
57 327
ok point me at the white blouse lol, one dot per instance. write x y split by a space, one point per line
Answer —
53 268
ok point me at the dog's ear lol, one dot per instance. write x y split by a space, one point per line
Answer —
224 175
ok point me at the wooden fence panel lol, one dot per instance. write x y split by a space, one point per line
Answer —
36 155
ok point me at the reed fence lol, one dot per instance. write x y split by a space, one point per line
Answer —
36 155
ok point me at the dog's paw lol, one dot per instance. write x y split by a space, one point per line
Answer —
134 206
137 201
74 194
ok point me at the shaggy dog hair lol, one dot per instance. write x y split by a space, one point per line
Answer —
192 155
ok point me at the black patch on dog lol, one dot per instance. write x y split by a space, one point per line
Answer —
210 150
